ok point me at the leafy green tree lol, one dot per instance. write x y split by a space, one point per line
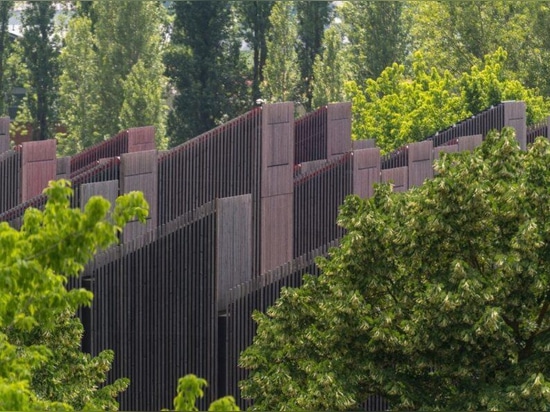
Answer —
254 18
538 73
205 66
457 35
331 69
127 32
190 388
103 85
5 10
281 71
39 339
142 87
437 298
398 108
40 51
16 74
70 376
378 35
79 94
490 84
313 17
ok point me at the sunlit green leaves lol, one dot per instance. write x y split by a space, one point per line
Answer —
190 388
41 364
438 298
399 107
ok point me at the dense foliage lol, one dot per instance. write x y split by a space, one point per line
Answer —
186 68
190 388
205 66
330 70
437 298
313 18
41 364
112 73
40 50
5 46
398 108
254 16
281 71
377 32
457 35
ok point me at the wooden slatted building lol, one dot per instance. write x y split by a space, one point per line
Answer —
237 213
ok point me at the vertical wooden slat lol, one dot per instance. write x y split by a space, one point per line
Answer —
398 177
10 180
338 129
276 185
39 166
420 162
4 134
366 171
139 171
515 116
233 244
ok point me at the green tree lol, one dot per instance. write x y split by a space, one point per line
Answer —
205 66
142 87
190 388
40 51
378 34
254 18
5 10
79 94
538 73
457 35
437 298
331 69
16 75
490 84
70 376
398 108
39 339
127 32
103 85
313 17
281 71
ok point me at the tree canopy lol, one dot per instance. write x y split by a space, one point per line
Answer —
40 50
377 32
399 108
190 388
205 66
437 298
281 71
104 87
41 364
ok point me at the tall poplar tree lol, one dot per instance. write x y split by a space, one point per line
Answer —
313 17
281 72
126 32
5 10
99 92
205 66
254 17
456 35
377 32
79 100
40 56
331 69
437 298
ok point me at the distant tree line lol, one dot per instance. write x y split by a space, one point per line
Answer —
188 66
